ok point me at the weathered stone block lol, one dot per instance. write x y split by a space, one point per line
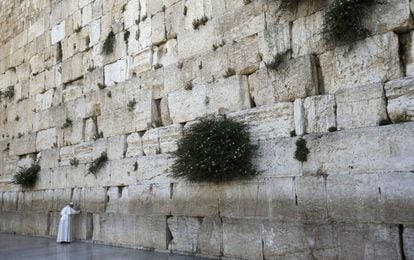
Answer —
280 193
142 61
275 40
400 99
150 142
267 122
23 145
158 28
307 36
242 239
134 144
116 72
58 32
210 237
185 232
319 113
342 67
361 106
117 147
46 139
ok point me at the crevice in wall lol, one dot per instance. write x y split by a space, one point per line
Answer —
401 241
71 193
294 188
387 120
59 52
106 198
48 223
89 226
320 88
404 47
171 190
169 236
156 112
120 189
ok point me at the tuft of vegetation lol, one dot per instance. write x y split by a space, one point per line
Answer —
215 47
126 36
344 20
101 86
229 72
246 2
292 133
332 129
98 163
17 118
67 124
109 94
189 86
180 65
97 136
301 153
123 8
185 11
215 149
74 162
157 66
385 122
131 105
199 21
275 63
78 29
8 93
109 43
27 176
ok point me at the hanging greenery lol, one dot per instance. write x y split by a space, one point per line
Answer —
215 149
27 176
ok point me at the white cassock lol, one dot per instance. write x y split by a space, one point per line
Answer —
65 224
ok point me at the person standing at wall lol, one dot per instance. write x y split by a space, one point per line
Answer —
65 224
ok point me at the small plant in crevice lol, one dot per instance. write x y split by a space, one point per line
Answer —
246 2
199 21
135 165
109 94
27 176
188 86
98 135
74 162
67 124
17 118
344 20
78 29
332 129
275 63
101 86
301 153
229 72
385 122
292 133
185 11
180 65
8 93
98 163
91 68
157 66
126 36
123 8
131 105
109 43
214 149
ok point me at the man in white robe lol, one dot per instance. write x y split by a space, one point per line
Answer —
65 224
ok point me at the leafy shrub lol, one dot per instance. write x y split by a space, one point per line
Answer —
199 21
27 176
98 163
214 149
344 20
301 153
9 92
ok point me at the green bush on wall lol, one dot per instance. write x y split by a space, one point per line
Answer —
344 20
27 176
214 149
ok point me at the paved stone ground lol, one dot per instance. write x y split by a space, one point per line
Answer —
34 248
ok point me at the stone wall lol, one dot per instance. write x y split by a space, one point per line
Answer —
352 199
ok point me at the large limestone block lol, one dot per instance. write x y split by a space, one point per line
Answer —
9 201
365 150
400 99
307 37
311 207
117 146
149 199
275 40
150 142
408 241
158 31
142 61
91 199
390 15
274 157
347 67
242 239
187 105
46 139
153 168
284 83
210 236
72 68
131 14
169 136
195 42
58 32
130 230
353 198
184 231
37 28
116 72
134 144
281 196
166 54
267 121
319 113
396 196
361 106
194 200
368 241
117 122
23 145
288 241
244 200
